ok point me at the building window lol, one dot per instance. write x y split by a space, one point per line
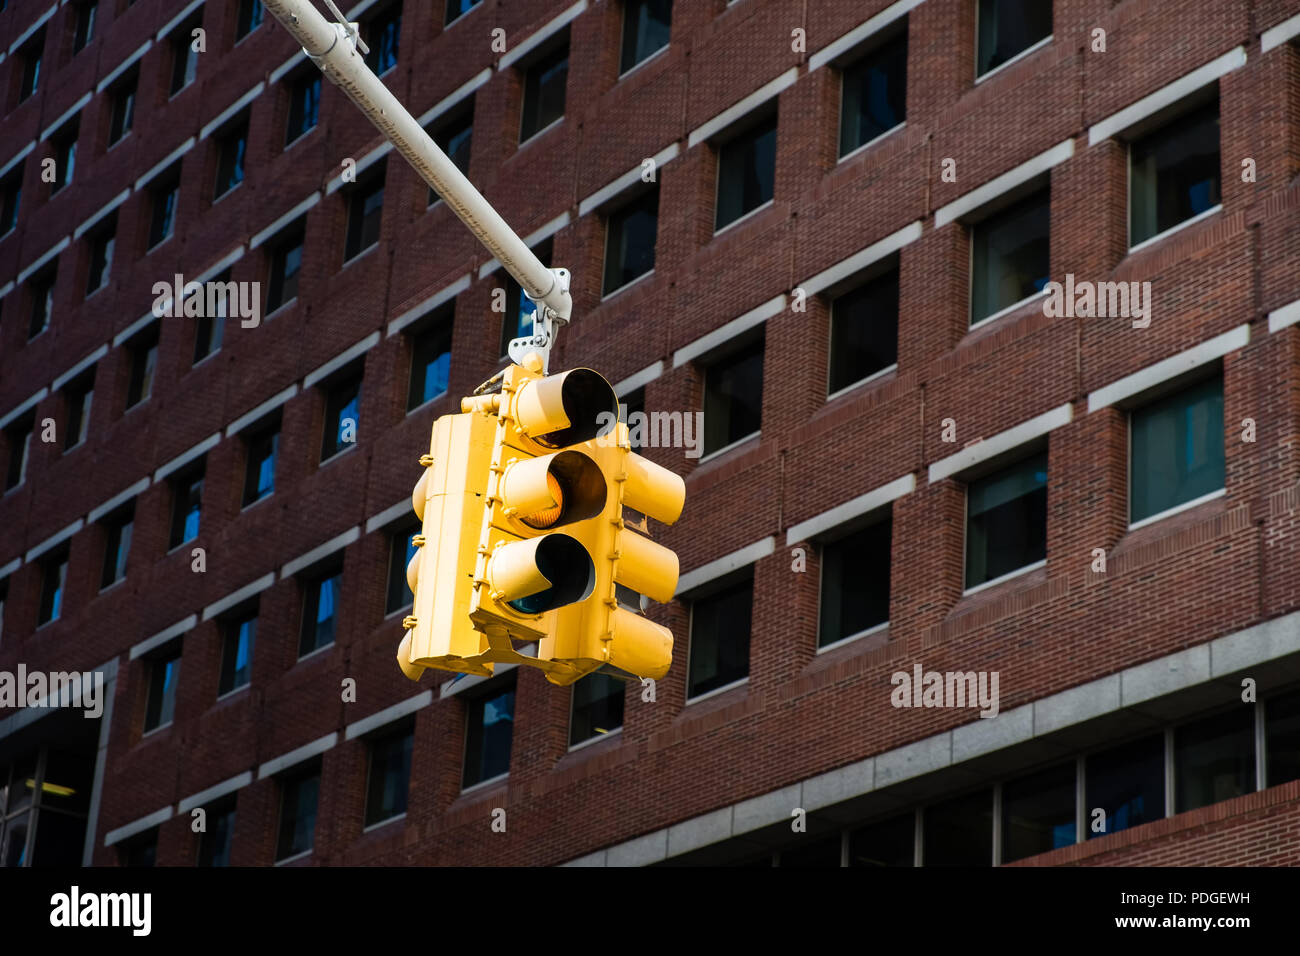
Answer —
298 798
42 298
1177 452
1009 256
164 672
390 776
216 840
286 264
400 553
544 91
304 105
64 143
1008 28
646 25
210 328
249 18
11 194
78 396
1281 735
140 851
597 707
874 99
44 802
733 398
163 197
430 363
454 138
123 106
18 438
185 59
1006 521
54 575
259 472
321 612
864 332
959 832
83 30
489 726
458 8
1038 813
231 147
30 58
382 32
518 321
1214 759
365 213
187 503
855 583
342 407
890 842
101 241
1174 174
746 172
237 653
630 241
719 653
1128 783
117 547
143 352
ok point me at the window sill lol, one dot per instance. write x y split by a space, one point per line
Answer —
291 859
541 132
636 66
718 453
844 641
716 691
254 504
484 784
95 291
595 740
1177 509
117 142
461 16
362 254
207 358
300 137
1161 236
130 408
1003 312
234 693
423 406
108 587
874 376
858 150
148 733
1015 59
403 610
217 199
283 306
351 446
626 285
174 550
310 654
1009 576
370 828
749 215
161 242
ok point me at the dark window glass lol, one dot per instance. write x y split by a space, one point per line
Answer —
54 575
1214 759
117 548
141 851
864 332
382 32
365 213
1006 526
237 653
887 843
518 320
342 407
102 243
123 114
1282 738
42 293
211 325
597 707
259 475
817 853
630 241
162 218
19 440
249 19
65 156
1174 174
959 832
457 8
30 56
400 553
430 364
79 396
454 139
160 707
1009 256
390 776
1128 783
1008 28
286 264
304 105
646 25
83 30
733 397
1177 449
875 95
1038 813
144 363
231 147
633 415
215 841
185 59
11 194
855 583
298 798
489 728
321 614
720 639
544 91
187 503
746 173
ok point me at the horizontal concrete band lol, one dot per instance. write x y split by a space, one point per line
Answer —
853 508
137 826
859 34
1166 675
1132 385
1005 441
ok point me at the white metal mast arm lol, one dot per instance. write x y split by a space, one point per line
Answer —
333 48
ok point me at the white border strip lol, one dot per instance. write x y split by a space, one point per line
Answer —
176 20
18 157
753 101
1009 180
853 508
160 167
163 636
67 114
80 367
135 328
1117 123
220 265
139 826
96 218
16 412
119 499
283 222
26 34
44 260
735 327
388 715
541 36
215 792
627 180
234 598
541 235
1169 368
54 540
185 457
122 67
428 305
340 360
846 268
294 757
363 164
454 98
750 554
1276 36
11 567
860 33
982 451
262 410
320 552
1279 319
230 111
389 515
288 66
639 379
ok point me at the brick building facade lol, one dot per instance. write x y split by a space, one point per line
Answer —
1102 512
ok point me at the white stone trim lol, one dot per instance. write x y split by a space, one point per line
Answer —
389 515
96 218
707 343
340 360
185 457
750 554
122 67
215 792
295 757
855 37
138 826
363 164
176 20
1275 36
234 598
980 196
861 260
456 97
44 260
54 540
162 637
1166 369
639 379
119 499
629 179
388 715
1279 319
261 411
230 111
428 305
540 37
36 25
1012 438
65 116
136 327
711 128
10 567
19 410
159 167
853 508
288 66
320 552
284 221
17 158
